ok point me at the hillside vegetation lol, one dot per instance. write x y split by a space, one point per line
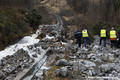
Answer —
96 14
28 4
17 19
16 23
103 10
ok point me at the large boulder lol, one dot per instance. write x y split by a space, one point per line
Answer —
106 67
62 62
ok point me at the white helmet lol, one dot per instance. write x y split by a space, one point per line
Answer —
112 28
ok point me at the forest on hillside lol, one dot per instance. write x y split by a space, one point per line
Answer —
28 4
102 10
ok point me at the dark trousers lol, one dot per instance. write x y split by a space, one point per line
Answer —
118 43
103 38
113 43
79 42
86 38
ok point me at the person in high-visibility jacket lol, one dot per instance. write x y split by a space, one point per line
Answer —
103 36
85 36
113 37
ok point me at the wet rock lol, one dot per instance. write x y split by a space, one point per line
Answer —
71 63
110 57
116 66
1 74
106 67
41 35
98 60
62 72
44 44
52 33
31 60
72 57
82 65
105 57
8 78
97 70
35 55
118 75
114 73
87 63
58 72
27 64
85 49
96 47
92 72
30 47
49 52
37 50
11 62
62 62
73 48
70 41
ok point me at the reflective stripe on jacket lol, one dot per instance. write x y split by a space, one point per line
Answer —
84 33
113 34
103 33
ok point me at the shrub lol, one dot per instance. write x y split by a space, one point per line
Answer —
14 24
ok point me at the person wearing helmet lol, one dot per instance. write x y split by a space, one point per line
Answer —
113 37
103 36
85 36
78 36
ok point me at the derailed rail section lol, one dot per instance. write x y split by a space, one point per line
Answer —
28 74
102 78
35 69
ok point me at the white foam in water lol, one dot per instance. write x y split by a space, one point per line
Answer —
22 44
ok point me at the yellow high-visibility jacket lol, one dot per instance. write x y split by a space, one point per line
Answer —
84 33
103 33
113 34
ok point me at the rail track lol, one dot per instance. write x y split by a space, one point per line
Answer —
30 74
58 28
11 72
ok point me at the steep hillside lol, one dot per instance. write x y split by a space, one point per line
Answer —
28 4
19 18
92 14
16 23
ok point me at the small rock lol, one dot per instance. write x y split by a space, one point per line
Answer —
35 55
27 64
58 72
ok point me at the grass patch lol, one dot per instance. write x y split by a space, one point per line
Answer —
52 75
